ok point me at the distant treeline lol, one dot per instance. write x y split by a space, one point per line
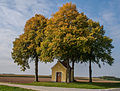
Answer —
110 78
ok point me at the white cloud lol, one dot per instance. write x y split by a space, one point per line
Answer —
6 38
109 18
13 16
110 22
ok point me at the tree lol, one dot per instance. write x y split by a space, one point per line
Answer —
25 48
100 47
64 36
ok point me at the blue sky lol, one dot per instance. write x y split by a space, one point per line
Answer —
14 14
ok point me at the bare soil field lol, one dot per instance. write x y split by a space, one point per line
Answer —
30 79
22 79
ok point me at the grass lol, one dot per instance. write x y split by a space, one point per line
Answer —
7 88
85 85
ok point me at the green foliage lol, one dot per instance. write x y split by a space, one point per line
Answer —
100 45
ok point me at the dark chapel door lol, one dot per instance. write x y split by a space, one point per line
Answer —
58 76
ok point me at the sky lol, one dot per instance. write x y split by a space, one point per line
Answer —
15 13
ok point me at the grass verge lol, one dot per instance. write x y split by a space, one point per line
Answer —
85 85
8 88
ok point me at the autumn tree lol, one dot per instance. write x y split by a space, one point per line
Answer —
25 48
73 37
68 35
64 38
100 47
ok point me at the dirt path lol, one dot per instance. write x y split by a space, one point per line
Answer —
42 88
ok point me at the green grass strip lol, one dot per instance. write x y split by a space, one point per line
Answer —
85 85
8 88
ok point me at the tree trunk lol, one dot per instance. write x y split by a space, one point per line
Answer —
36 69
90 72
73 62
68 72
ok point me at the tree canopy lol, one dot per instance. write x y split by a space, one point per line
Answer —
68 35
72 36
64 34
100 45
25 48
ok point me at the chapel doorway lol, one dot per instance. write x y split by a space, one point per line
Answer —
58 76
